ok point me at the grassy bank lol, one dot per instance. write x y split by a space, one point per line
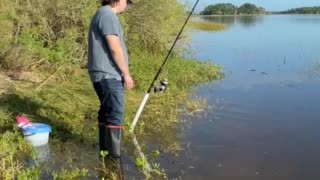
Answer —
70 105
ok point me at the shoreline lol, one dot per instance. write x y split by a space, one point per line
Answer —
232 15
75 104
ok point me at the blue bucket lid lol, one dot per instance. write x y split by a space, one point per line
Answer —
37 128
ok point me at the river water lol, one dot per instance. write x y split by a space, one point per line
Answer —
264 118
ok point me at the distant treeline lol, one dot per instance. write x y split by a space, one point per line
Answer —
303 10
248 8
228 8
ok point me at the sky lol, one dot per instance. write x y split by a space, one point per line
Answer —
269 5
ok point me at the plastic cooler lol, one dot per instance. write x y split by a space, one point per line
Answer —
37 134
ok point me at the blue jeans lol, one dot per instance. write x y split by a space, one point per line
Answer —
111 96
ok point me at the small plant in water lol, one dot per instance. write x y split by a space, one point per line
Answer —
140 163
158 171
104 153
34 155
70 174
103 168
156 153
107 169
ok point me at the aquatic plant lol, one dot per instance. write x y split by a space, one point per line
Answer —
207 26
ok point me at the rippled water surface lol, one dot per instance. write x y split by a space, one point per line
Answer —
265 116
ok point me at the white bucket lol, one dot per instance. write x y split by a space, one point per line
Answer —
37 134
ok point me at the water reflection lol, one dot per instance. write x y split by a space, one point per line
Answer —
42 154
245 21
305 19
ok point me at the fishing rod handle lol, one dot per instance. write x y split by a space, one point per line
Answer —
136 118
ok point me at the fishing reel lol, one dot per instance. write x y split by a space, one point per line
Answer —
162 87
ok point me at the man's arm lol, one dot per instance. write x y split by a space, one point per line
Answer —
118 55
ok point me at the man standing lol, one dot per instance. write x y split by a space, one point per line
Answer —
109 72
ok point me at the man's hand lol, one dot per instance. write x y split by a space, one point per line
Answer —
128 82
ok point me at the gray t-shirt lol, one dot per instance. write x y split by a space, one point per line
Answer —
101 64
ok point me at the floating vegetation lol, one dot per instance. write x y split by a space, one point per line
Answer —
316 67
207 26
313 71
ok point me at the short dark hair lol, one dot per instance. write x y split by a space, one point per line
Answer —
112 2
108 2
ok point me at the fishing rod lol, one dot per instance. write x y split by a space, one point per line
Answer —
164 83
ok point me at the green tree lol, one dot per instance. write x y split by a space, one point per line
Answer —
249 8
219 9
230 9
303 10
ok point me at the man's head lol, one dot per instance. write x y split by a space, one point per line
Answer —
118 5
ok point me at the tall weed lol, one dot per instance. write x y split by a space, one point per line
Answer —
50 34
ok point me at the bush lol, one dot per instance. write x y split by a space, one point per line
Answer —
39 33
153 23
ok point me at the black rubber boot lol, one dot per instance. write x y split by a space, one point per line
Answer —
114 144
104 137
111 139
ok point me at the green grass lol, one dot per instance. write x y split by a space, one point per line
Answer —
41 36
70 107
12 150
